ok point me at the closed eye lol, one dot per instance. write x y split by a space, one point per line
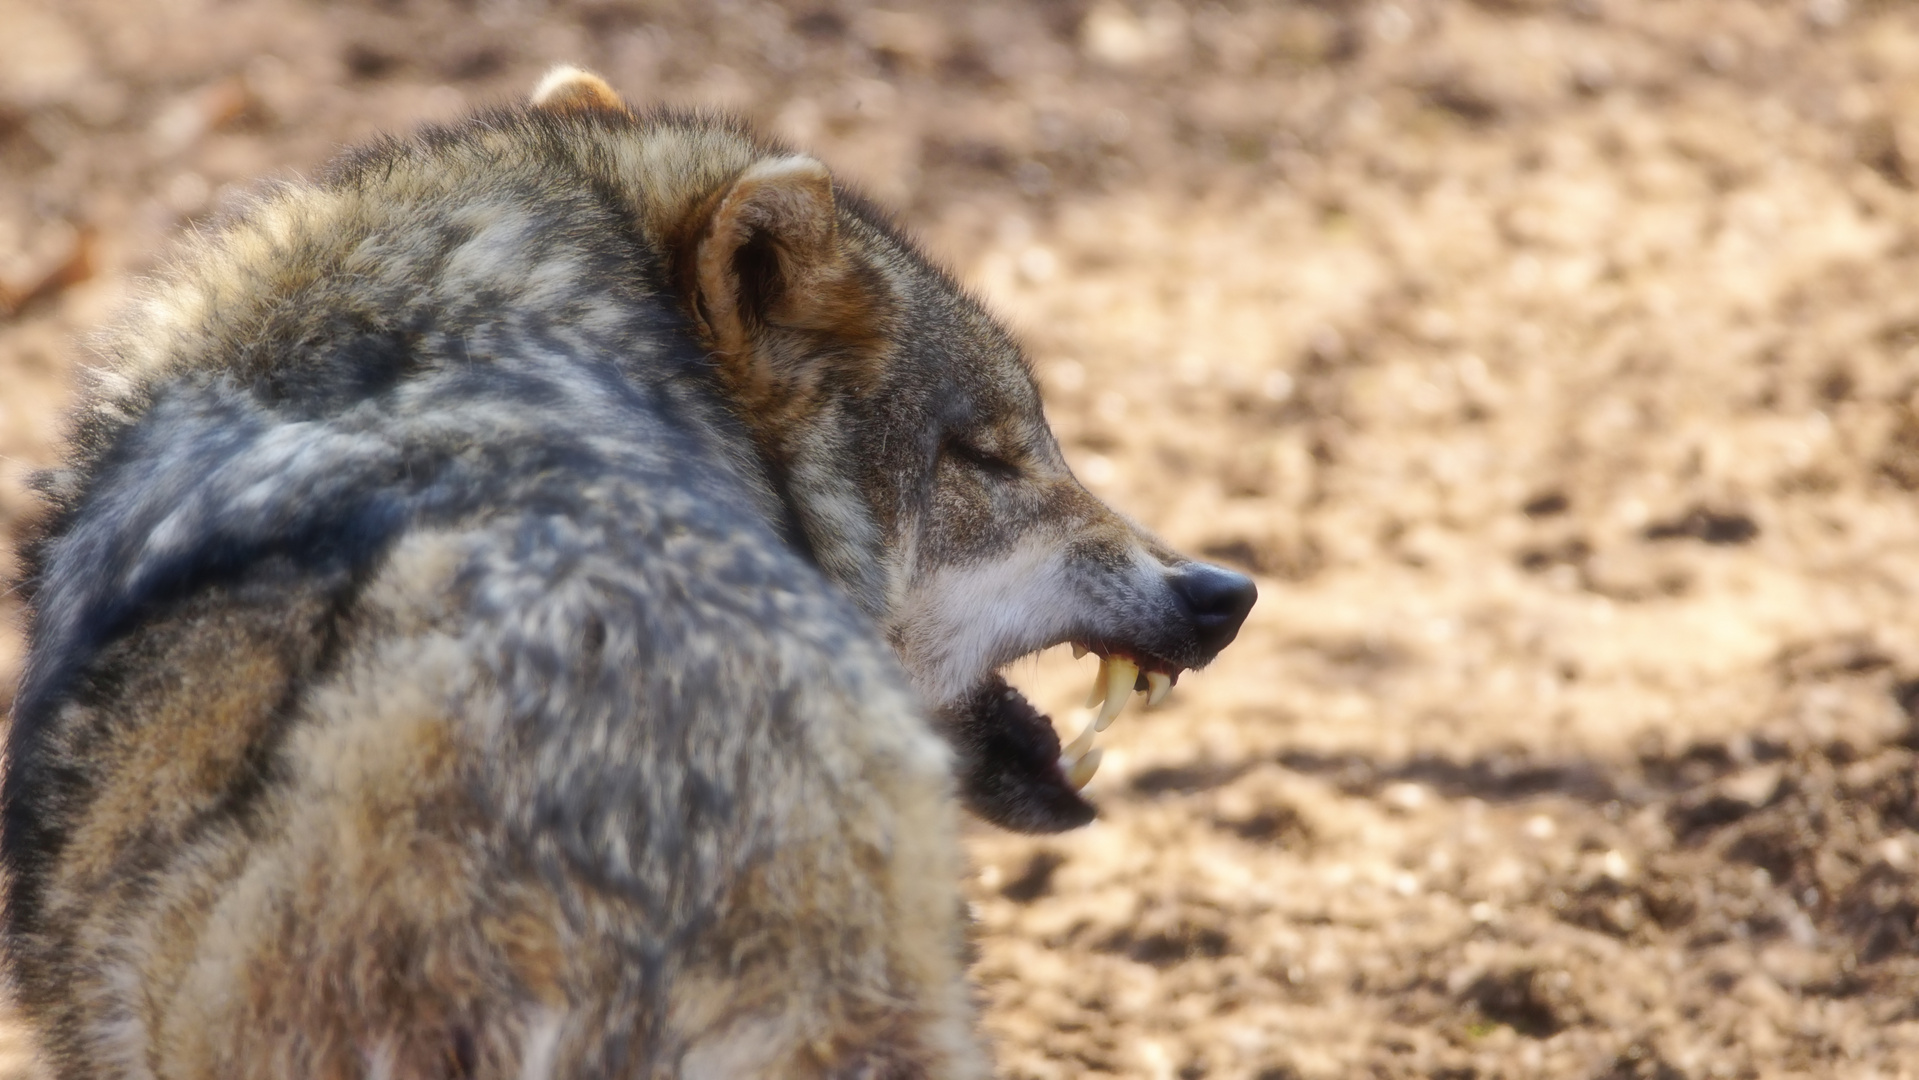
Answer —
959 449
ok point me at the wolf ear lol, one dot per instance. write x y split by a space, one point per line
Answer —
768 257
570 89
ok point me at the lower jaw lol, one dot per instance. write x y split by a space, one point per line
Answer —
1009 762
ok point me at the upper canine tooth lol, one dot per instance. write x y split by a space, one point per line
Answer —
1078 650
1082 770
1158 685
1121 674
1100 679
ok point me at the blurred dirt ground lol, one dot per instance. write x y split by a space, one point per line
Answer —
1555 365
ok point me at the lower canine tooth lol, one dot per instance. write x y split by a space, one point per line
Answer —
1078 747
1158 685
1082 770
1100 680
1121 674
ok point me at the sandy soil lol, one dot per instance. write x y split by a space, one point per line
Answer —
1554 365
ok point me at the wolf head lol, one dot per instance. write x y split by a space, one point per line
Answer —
902 429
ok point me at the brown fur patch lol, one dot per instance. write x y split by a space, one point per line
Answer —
785 300
569 88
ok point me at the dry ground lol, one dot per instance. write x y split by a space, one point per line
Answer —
1555 365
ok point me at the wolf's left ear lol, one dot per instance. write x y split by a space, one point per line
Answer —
768 257
567 88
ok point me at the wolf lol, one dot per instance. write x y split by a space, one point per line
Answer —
527 603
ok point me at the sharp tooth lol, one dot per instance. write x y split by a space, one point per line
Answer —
1158 684
1082 770
1077 748
1120 676
1100 680
1078 650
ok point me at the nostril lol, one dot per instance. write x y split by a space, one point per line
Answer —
1216 599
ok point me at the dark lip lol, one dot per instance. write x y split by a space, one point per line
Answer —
1007 759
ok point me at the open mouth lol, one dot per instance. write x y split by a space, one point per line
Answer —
1121 674
1013 770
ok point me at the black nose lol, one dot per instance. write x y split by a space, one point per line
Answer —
1216 600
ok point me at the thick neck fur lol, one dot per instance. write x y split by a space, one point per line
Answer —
846 541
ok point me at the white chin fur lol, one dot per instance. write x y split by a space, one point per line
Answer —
960 623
